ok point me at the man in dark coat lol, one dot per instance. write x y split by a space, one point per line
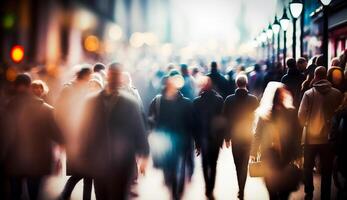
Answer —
112 134
293 81
30 130
209 132
220 84
239 111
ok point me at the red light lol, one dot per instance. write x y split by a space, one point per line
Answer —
17 53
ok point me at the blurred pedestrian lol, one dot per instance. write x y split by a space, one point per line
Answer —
256 79
336 76
315 113
171 122
293 80
239 111
112 134
209 127
188 89
279 142
30 133
69 112
220 84
339 142
301 64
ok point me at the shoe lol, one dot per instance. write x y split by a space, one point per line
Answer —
240 195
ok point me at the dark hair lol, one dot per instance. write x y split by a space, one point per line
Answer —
301 60
98 67
320 61
83 72
214 65
115 66
184 69
257 67
22 79
320 73
291 64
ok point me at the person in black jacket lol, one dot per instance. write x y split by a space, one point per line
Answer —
171 125
220 84
210 131
112 135
293 80
239 111
339 141
30 132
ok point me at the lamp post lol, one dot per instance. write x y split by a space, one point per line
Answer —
270 35
295 10
325 42
276 27
263 38
284 21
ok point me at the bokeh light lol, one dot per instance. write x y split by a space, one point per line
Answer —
115 32
137 40
17 53
91 43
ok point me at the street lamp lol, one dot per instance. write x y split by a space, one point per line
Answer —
325 43
276 27
284 21
270 35
295 10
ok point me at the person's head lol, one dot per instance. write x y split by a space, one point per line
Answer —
214 66
39 88
241 81
320 73
184 70
83 75
282 99
335 62
335 76
320 60
22 83
114 75
301 64
257 67
173 81
98 67
291 64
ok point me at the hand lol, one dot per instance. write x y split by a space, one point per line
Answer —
143 166
227 143
197 151
252 159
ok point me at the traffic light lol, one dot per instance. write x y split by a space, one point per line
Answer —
17 53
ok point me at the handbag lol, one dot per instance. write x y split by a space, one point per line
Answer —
256 169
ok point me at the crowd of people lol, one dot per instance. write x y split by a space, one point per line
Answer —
273 120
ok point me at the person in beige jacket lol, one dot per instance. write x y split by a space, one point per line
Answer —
316 110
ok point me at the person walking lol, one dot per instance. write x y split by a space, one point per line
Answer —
277 141
112 135
239 111
209 126
171 123
30 134
69 111
293 80
220 84
315 114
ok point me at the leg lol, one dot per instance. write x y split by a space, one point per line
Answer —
309 160
213 165
87 188
34 185
206 168
16 188
69 186
241 157
326 159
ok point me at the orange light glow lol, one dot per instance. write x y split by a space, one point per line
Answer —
91 43
17 53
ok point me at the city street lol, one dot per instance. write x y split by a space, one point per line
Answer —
151 186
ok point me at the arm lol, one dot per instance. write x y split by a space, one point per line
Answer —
257 137
303 110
